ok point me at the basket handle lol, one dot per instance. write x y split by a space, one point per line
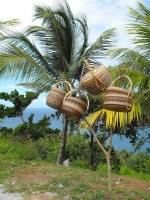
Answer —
130 82
69 88
72 91
91 70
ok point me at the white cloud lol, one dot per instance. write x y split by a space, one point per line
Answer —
101 15
106 13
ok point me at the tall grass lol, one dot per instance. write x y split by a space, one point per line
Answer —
43 149
126 171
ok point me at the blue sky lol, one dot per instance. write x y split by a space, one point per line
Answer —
101 15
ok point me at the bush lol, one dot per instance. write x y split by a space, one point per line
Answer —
80 163
30 130
5 145
42 149
126 171
48 149
23 151
138 163
77 148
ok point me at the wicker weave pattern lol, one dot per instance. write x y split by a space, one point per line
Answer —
55 98
74 107
118 99
115 97
99 83
71 112
118 106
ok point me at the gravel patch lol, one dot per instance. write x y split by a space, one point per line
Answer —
4 195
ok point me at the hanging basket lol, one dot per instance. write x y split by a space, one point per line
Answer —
119 99
75 107
56 95
96 80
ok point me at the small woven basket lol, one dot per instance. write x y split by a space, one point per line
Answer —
119 99
56 95
74 107
96 80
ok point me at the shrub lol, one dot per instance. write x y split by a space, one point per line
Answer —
80 163
124 170
77 148
30 130
48 149
139 162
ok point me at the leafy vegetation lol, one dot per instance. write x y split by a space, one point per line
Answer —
20 103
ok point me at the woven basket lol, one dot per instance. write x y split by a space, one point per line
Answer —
56 95
119 99
96 80
73 106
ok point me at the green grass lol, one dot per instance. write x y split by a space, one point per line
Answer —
143 196
77 181
73 181
129 172
80 188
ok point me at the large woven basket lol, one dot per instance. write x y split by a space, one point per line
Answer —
96 80
75 107
117 98
56 95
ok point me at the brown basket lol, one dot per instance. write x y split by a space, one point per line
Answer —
119 99
56 95
96 80
73 106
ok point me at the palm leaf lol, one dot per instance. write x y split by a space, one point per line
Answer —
12 22
131 58
114 119
139 27
18 63
104 43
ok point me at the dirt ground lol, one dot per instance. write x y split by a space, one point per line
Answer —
35 175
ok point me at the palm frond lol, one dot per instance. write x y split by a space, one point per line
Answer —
138 78
64 37
114 119
12 22
139 27
16 62
131 58
104 43
39 84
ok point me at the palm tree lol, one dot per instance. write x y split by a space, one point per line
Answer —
137 60
52 51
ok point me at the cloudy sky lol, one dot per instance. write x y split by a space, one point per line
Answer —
101 15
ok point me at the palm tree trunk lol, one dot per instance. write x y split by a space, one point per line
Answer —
61 155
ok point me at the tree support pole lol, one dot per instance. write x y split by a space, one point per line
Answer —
107 153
